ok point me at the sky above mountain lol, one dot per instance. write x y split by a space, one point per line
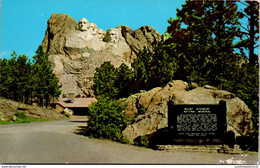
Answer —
24 22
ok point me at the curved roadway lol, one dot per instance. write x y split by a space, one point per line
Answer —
58 142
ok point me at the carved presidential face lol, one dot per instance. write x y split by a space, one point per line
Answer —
112 35
83 24
93 28
101 34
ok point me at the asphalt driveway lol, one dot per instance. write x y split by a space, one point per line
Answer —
57 142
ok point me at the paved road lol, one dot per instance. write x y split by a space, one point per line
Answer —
57 142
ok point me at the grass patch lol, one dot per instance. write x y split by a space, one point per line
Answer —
21 118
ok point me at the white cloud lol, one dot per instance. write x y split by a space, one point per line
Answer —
6 54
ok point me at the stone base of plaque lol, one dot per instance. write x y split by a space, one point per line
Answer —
197 141
226 149
201 148
191 148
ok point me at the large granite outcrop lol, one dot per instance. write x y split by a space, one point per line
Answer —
154 102
145 36
9 109
58 26
76 49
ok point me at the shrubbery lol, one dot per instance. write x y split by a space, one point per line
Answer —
107 119
142 141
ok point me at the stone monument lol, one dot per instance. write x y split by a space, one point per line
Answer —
80 46
101 34
83 24
85 37
112 35
92 29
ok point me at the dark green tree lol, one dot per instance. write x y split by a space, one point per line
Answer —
153 68
23 73
202 38
112 82
9 77
15 77
45 83
123 81
250 33
163 66
244 82
22 80
5 79
104 81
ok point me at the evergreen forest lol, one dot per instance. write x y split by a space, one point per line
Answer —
29 81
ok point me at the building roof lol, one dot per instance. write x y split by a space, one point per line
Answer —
77 103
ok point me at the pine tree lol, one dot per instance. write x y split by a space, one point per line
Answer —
12 77
4 79
250 33
154 68
23 74
15 77
202 38
123 81
104 81
112 82
21 79
45 83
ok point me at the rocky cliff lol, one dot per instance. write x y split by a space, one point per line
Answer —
155 110
76 49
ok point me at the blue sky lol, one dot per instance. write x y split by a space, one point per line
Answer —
23 22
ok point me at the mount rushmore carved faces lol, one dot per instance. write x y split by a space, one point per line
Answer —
83 24
112 35
101 34
92 28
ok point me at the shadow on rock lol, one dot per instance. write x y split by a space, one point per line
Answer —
160 137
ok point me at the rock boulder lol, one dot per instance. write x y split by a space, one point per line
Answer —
9 108
155 118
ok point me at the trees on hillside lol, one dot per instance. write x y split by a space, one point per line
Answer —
15 77
202 38
153 68
110 81
22 79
